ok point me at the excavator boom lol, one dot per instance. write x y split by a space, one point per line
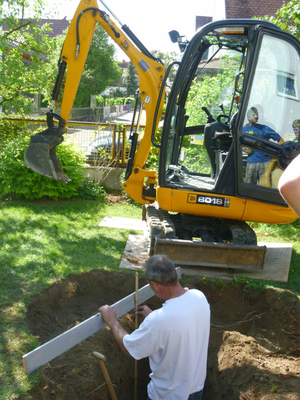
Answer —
40 155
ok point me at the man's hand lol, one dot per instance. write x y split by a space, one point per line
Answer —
143 311
108 314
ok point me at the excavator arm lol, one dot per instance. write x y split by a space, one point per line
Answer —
40 155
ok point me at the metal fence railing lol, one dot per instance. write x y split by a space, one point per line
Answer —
98 114
104 144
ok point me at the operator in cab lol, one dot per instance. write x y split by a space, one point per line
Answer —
257 162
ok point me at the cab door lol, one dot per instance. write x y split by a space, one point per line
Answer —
270 111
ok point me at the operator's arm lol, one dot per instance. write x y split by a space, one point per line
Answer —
109 315
289 185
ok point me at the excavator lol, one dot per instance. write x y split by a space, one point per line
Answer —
235 98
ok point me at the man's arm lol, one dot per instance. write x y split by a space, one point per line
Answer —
109 315
289 185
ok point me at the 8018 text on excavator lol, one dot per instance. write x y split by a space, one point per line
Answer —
226 136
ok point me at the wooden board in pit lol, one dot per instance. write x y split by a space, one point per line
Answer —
136 253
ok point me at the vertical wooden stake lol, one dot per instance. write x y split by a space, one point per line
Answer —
136 298
136 326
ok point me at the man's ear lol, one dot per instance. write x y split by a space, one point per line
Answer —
155 285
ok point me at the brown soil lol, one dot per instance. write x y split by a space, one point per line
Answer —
253 354
115 197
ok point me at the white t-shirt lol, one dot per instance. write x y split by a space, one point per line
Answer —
175 338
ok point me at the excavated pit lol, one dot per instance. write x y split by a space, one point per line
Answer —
253 354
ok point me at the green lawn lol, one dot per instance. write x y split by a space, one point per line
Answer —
44 242
41 243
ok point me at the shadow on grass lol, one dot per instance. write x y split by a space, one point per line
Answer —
42 243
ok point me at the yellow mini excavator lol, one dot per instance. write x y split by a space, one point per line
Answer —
226 136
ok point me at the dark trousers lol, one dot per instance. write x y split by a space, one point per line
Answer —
193 396
196 396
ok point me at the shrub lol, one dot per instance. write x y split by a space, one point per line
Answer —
90 191
18 181
11 129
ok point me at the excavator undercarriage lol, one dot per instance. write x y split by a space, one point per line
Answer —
200 241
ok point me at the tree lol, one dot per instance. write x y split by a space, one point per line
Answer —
288 18
24 47
100 68
52 61
131 80
167 58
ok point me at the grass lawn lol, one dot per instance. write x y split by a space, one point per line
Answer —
41 243
44 242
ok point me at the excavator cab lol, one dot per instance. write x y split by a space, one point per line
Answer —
231 69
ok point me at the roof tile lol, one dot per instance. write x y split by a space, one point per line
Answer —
253 8
58 26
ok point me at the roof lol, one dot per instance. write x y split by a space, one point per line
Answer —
253 8
58 26
201 21
123 64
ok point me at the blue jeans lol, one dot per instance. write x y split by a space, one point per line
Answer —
196 396
193 396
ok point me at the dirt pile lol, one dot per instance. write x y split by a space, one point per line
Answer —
253 354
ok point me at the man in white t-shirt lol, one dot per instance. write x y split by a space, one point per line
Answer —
175 337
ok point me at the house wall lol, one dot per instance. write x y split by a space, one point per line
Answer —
110 177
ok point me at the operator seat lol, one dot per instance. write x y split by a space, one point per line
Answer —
210 144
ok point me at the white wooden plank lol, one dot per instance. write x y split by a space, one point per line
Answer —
57 346
78 333
123 223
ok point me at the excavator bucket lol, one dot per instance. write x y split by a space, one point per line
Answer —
40 155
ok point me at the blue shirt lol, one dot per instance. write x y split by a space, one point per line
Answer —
264 132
